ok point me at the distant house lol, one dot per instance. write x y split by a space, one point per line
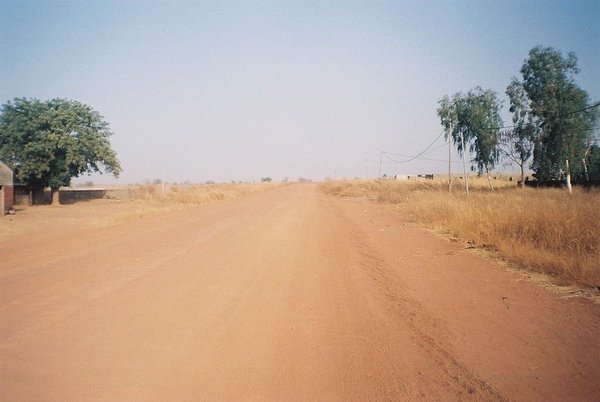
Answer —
7 198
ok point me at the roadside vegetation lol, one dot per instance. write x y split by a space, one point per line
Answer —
150 199
543 230
47 143
553 122
194 194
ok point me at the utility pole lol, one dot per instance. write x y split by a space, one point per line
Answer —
462 141
449 160
380 161
366 169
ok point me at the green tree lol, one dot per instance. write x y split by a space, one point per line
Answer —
48 143
517 142
473 123
563 111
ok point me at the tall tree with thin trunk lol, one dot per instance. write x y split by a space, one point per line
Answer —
447 117
475 122
517 142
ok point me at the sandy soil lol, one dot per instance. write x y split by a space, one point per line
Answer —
288 294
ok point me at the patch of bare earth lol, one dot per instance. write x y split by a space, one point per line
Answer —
286 294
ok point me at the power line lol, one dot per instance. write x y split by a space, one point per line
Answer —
578 111
412 157
557 117
438 147
421 158
424 151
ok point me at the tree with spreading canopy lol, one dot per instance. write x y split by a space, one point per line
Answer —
47 143
563 110
472 121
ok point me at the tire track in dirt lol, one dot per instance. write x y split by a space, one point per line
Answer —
425 330
519 339
284 295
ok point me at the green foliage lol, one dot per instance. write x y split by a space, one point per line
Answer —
473 118
517 142
562 109
48 143
265 179
553 119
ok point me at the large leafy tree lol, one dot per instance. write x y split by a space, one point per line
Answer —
563 111
517 142
47 143
473 123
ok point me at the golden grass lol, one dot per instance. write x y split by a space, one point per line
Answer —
195 194
151 199
543 230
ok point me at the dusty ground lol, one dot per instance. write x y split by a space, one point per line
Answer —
286 294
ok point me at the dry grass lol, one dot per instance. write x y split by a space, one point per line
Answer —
544 230
195 194
150 199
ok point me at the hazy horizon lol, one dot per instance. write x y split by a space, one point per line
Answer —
198 91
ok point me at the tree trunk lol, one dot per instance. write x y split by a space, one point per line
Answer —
587 176
462 141
54 197
522 182
585 170
449 156
487 172
568 179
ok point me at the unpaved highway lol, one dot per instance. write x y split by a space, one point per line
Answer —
289 294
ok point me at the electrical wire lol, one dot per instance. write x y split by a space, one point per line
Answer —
424 159
412 157
557 117
428 150
578 111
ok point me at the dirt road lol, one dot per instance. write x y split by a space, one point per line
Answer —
288 294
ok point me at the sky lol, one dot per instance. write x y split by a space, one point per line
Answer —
239 90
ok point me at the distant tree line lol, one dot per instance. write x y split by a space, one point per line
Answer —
553 122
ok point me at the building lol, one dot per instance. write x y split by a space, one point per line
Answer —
7 197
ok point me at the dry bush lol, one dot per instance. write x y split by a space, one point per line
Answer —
142 192
540 229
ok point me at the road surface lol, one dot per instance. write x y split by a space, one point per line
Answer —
289 294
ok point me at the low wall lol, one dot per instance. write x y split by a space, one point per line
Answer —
70 196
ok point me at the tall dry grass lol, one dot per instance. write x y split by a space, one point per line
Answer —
194 194
539 229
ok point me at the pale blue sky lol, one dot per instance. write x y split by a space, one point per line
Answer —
240 90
